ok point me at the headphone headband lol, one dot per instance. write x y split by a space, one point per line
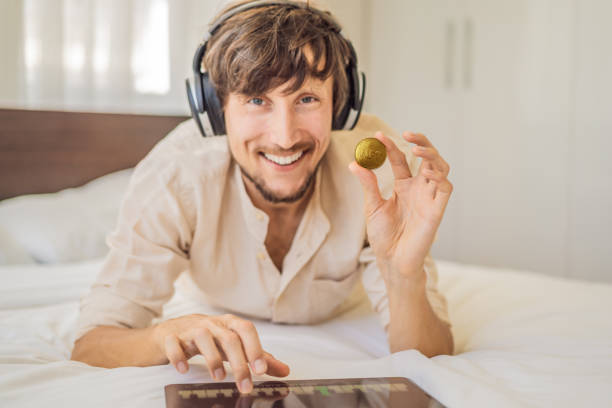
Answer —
206 97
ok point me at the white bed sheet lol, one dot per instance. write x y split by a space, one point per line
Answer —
521 340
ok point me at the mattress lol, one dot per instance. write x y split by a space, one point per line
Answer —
521 339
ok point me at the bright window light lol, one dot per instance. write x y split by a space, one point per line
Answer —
76 30
101 37
31 40
150 61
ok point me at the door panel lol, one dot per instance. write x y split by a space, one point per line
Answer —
591 168
516 106
413 83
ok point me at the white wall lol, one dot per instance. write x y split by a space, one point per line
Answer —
10 48
516 96
590 192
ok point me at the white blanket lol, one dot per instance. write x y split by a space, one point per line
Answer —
521 340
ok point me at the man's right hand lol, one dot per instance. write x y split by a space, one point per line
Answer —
217 338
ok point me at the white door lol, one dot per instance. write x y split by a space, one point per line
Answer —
413 82
591 144
516 60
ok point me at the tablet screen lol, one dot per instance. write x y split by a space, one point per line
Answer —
387 392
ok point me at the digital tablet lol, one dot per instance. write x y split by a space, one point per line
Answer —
383 392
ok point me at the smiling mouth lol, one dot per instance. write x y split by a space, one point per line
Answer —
284 160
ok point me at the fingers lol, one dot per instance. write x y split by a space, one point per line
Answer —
207 347
417 138
373 199
397 158
427 151
433 168
250 341
276 367
433 174
231 344
444 190
175 354
431 155
438 186
218 339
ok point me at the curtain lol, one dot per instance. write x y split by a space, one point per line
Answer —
127 56
111 55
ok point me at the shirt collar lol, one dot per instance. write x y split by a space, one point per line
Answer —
256 219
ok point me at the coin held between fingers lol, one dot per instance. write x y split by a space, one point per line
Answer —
370 153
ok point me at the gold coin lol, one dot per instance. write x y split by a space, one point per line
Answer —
370 153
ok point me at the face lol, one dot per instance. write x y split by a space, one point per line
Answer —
279 139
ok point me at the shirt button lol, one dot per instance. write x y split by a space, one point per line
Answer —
261 255
259 216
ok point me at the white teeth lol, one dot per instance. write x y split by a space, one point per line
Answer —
284 160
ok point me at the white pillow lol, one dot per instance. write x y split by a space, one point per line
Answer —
11 252
70 225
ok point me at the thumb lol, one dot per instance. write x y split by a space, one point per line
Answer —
368 181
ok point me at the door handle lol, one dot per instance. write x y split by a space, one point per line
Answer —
449 54
468 52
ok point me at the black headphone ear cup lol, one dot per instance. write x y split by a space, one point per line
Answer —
197 78
213 107
355 96
193 107
353 100
340 118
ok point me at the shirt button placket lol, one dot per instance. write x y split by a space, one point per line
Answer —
259 215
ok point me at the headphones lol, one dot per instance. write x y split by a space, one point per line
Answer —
206 99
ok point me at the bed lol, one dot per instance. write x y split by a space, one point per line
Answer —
521 339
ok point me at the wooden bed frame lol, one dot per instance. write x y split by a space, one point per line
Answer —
46 151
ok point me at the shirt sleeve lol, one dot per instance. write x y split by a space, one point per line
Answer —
376 290
148 250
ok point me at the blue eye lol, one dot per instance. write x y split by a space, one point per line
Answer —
308 99
256 101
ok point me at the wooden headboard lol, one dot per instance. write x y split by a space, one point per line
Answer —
46 151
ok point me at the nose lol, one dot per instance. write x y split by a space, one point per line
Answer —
284 129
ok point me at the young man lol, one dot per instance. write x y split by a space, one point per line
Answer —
269 220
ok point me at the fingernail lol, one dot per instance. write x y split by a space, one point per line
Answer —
260 366
181 367
245 386
219 374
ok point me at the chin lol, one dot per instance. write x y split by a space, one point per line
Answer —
283 192
288 190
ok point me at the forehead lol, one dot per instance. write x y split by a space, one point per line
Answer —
310 84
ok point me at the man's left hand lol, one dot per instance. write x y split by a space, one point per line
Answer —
402 228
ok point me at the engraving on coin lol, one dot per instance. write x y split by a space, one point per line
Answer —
370 153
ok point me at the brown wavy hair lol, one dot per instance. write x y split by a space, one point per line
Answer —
262 48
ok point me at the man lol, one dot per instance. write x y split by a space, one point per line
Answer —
269 220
